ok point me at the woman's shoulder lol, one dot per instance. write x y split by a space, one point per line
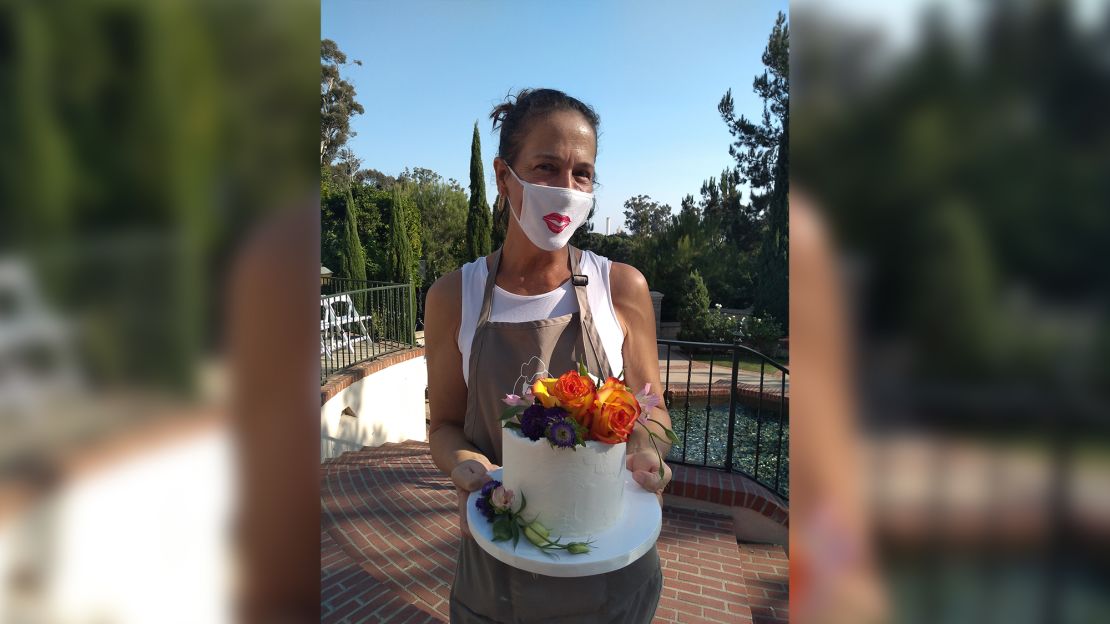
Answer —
450 286
627 280
445 290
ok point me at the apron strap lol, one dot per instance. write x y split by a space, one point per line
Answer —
487 292
586 316
483 315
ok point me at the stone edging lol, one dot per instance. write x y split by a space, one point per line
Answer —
728 489
343 380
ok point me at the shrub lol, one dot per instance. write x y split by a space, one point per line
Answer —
693 304
722 328
761 333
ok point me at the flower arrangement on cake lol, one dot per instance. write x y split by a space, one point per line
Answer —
564 441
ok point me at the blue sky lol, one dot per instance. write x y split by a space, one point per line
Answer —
654 71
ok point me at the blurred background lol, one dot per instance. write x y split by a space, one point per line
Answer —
142 144
958 154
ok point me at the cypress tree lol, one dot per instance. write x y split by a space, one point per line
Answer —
352 258
479 221
500 223
400 248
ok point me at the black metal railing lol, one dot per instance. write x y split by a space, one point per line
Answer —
337 285
363 324
742 424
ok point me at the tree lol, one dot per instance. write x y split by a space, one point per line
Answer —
400 247
500 223
337 102
616 247
690 209
352 258
442 207
581 235
349 164
644 217
478 219
693 303
375 178
762 155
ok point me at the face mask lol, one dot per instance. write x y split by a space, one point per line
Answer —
551 214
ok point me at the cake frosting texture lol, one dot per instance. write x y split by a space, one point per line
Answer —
574 493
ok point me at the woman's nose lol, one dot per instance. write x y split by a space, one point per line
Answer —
565 179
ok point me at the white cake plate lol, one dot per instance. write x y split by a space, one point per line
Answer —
627 540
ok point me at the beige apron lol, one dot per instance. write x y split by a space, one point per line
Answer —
486 590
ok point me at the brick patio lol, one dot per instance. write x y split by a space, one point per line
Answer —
389 541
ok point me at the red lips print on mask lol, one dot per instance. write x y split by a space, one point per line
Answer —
556 222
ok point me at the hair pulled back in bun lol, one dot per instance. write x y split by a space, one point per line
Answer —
516 113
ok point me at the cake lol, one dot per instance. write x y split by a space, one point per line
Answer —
574 492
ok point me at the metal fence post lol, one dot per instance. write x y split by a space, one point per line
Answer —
412 315
732 410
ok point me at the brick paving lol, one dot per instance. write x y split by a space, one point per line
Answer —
389 542
766 575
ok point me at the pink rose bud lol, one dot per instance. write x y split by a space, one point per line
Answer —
513 400
502 499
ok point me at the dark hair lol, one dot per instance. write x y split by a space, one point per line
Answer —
517 112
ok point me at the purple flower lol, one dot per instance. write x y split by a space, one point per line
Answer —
562 433
489 487
533 422
485 507
554 414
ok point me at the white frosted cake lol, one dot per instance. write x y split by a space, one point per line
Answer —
573 493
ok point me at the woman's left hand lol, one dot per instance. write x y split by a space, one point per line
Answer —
644 466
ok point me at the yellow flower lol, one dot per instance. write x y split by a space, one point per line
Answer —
543 390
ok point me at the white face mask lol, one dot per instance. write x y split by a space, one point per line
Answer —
551 214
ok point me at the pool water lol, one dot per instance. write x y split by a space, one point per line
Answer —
708 446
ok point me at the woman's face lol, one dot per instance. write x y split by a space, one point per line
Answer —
558 149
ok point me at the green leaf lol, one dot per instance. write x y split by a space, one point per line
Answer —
581 434
523 502
512 411
582 370
516 533
512 425
501 528
670 434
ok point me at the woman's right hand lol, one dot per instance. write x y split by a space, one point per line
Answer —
468 476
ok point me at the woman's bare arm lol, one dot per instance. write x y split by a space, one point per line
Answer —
632 303
451 452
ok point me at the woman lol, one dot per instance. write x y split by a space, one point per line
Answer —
517 313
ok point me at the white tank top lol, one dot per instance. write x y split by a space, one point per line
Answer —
511 308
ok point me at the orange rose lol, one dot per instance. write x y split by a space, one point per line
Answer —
576 395
616 413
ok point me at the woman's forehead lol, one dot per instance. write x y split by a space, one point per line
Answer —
556 134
